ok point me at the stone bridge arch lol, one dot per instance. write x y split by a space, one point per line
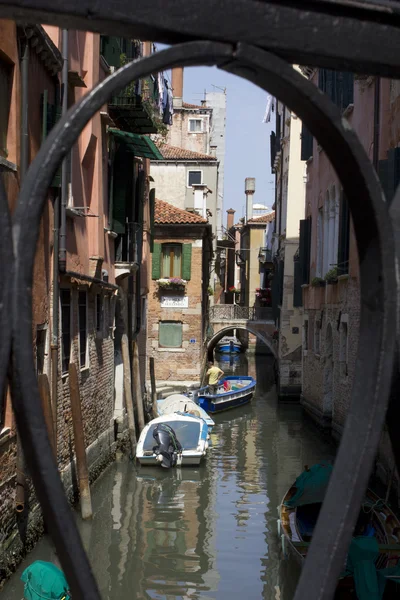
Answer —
260 332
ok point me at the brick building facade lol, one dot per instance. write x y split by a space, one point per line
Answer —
177 313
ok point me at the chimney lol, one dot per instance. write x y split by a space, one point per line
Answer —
177 86
213 151
230 218
249 189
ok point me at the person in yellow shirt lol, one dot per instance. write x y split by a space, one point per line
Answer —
214 375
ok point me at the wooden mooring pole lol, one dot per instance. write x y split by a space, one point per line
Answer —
79 439
44 391
138 386
20 490
128 393
153 388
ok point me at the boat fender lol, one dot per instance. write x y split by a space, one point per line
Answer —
284 549
279 526
179 460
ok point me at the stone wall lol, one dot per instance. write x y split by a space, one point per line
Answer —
180 136
185 363
97 400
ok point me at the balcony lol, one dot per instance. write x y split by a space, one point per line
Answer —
127 250
264 255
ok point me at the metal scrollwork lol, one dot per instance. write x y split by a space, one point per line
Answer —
378 304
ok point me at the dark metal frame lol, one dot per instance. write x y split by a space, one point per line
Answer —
363 36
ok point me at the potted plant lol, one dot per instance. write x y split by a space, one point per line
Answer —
210 291
172 283
318 282
331 276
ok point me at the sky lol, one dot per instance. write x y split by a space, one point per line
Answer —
247 137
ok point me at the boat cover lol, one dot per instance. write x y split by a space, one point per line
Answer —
369 581
311 486
44 581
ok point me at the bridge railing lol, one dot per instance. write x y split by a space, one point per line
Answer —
234 312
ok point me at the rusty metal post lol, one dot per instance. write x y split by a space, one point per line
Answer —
128 393
44 391
79 439
21 481
138 386
154 406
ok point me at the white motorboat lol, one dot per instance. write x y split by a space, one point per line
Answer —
173 440
180 403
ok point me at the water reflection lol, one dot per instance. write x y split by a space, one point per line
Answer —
205 533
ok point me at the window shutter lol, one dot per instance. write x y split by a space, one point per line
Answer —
186 261
156 261
305 249
152 203
297 290
306 143
347 89
123 176
344 236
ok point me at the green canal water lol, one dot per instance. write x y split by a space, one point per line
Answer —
209 532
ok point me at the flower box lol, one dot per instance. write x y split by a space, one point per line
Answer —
173 283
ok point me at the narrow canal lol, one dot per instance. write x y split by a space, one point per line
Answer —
208 533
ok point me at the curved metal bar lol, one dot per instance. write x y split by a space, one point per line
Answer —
375 357
375 249
6 258
26 221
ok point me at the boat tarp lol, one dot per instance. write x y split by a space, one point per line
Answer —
44 581
369 581
311 486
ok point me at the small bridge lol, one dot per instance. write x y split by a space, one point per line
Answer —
253 319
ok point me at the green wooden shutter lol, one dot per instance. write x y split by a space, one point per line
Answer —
305 249
344 236
186 261
156 261
152 202
297 290
122 193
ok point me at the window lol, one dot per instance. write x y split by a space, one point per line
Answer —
6 74
171 260
317 337
195 178
195 125
331 231
343 349
65 300
305 249
41 335
320 243
344 237
170 334
305 335
99 314
83 333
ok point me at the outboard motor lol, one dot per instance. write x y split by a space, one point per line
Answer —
168 446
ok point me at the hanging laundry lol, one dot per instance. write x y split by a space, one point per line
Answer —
270 108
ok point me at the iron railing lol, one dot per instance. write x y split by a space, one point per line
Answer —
235 312
258 41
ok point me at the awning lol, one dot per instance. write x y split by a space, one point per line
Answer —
139 145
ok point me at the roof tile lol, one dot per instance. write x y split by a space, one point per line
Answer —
267 218
186 105
173 153
165 214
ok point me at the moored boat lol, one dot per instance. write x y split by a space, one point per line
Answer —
229 345
233 391
183 404
375 548
173 440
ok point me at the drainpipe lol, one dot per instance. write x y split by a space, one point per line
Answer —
64 170
20 491
24 111
282 166
55 320
377 109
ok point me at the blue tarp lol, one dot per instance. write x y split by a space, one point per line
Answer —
311 486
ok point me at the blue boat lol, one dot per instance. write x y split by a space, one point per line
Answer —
229 345
241 392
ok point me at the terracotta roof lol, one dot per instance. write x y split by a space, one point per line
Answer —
186 105
267 218
173 153
165 214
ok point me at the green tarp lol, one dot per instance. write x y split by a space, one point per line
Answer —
311 486
44 581
139 145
